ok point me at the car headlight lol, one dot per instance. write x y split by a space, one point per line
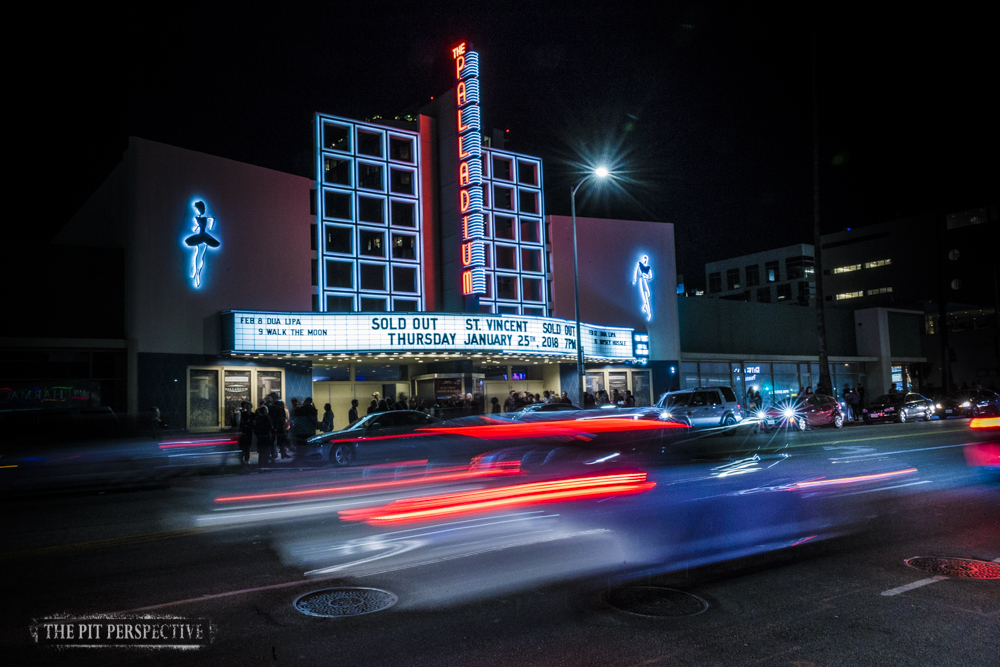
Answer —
966 404
788 413
762 415
665 415
938 406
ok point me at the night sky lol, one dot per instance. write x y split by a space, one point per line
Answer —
703 109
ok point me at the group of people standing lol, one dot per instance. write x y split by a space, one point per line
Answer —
280 432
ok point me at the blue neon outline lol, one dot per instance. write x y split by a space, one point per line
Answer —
197 266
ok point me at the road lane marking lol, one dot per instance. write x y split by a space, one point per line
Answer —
915 584
901 451
918 584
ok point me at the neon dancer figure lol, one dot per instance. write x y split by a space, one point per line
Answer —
201 241
643 274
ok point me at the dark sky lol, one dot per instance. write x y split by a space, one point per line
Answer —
704 108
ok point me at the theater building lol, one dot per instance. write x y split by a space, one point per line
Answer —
419 259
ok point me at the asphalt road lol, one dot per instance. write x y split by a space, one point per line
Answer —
845 601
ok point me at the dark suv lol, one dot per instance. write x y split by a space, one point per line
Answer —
702 407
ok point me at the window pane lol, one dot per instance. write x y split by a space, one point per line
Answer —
336 171
529 231
203 396
532 289
373 277
404 246
504 227
404 214
531 260
370 176
404 279
503 198
268 381
502 169
336 137
336 204
369 305
372 244
506 287
371 209
401 149
340 274
369 143
402 181
340 304
379 372
339 239
505 257
527 173
528 201
405 305
332 373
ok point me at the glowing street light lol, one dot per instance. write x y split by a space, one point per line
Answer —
600 172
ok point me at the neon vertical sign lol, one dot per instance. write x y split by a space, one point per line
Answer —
470 171
642 275
200 241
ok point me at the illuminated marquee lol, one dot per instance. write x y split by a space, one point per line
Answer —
251 332
470 171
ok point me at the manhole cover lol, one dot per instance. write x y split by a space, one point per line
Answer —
337 602
656 601
966 568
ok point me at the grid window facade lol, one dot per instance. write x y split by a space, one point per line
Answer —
368 219
516 264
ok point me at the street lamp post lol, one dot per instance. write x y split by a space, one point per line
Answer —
600 172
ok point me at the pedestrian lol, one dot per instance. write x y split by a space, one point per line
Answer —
565 399
373 406
629 399
279 423
265 437
510 405
383 405
303 425
401 403
494 405
327 425
246 431
352 414
853 403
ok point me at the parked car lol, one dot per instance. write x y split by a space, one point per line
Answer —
703 407
374 437
901 407
809 411
968 403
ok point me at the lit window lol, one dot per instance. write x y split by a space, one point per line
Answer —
849 295
878 263
848 269
880 290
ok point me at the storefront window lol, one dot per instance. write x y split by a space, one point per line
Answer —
237 390
268 381
331 373
617 382
203 398
715 374
786 382
593 383
689 374
641 388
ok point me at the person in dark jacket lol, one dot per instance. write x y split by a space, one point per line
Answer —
303 424
352 414
246 431
373 407
279 423
327 424
494 405
265 437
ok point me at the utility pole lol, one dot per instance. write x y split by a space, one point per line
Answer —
824 360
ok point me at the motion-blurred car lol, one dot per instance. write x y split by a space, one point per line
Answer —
376 437
810 411
899 408
968 403
703 407
536 408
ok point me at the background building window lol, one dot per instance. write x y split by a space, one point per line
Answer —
404 214
764 295
732 279
784 292
773 271
715 283
799 267
753 275
373 277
